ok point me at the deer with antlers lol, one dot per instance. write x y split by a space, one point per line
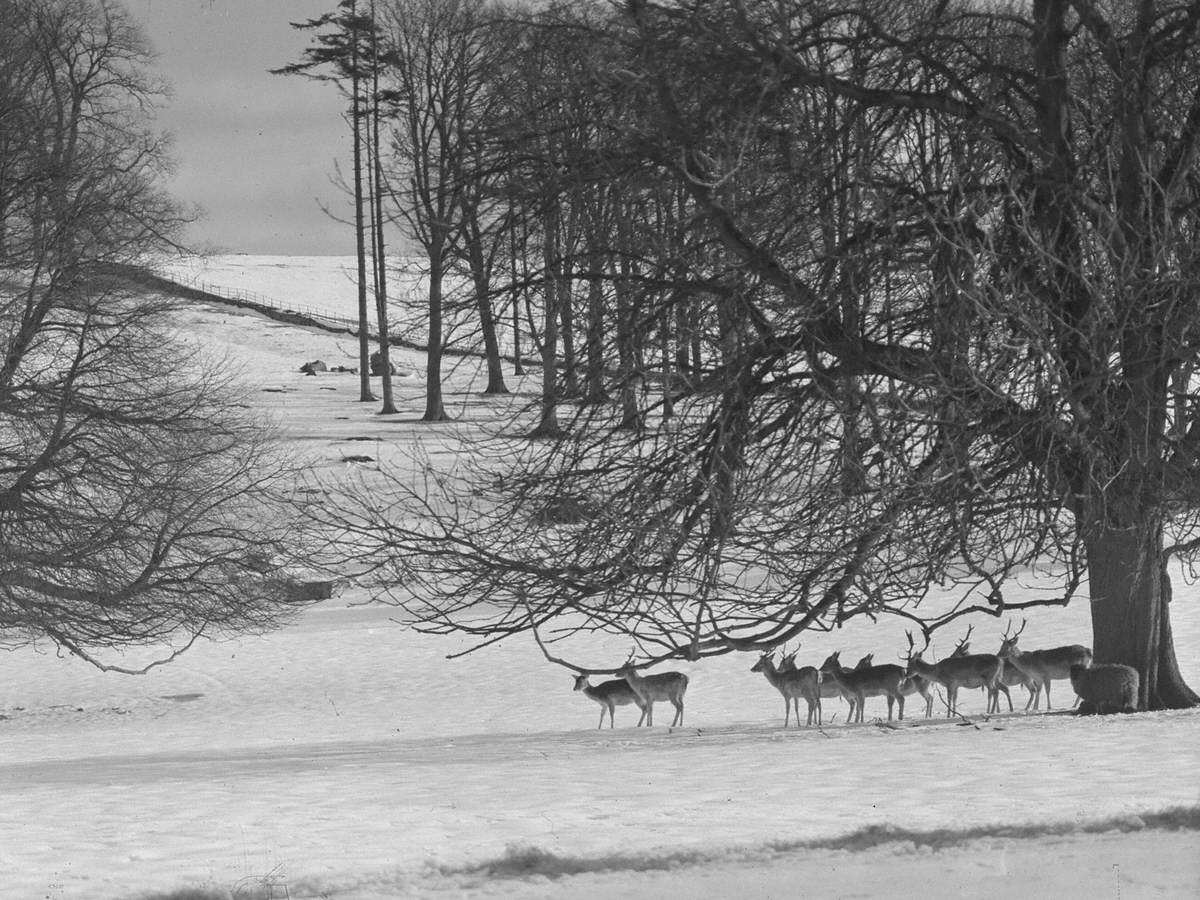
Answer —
1042 666
872 681
610 694
828 688
969 670
670 686
1008 678
793 684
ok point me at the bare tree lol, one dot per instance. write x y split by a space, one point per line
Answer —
138 502
434 49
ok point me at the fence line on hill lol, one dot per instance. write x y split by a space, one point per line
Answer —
320 318
255 299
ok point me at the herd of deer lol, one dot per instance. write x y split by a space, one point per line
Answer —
1103 688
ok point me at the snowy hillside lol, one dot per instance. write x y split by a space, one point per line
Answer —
345 757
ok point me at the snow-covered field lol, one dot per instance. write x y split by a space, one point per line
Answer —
344 756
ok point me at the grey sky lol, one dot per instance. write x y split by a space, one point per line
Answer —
255 150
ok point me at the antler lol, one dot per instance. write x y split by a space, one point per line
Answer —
1011 639
962 645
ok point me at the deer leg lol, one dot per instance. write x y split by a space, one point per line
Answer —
1046 685
678 720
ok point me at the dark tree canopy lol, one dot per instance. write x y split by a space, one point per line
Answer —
907 291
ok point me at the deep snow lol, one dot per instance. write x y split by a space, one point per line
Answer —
345 756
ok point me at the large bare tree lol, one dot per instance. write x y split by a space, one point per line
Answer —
139 503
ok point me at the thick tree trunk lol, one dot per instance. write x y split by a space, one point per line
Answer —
434 410
481 278
1130 615
594 391
491 341
1172 691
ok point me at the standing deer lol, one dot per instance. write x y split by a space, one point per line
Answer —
872 681
610 694
1008 677
663 686
1043 666
828 688
969 671
915 684
793 684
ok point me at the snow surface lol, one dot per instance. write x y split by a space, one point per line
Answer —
344 756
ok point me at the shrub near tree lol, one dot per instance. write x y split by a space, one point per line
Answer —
138 501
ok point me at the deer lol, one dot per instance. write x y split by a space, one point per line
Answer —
914 684
1043 666
1104 688
970 670
872 681
793 684
828 687
663 686
610 694
1008 677
1012 676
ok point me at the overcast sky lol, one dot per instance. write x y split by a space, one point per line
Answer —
255 150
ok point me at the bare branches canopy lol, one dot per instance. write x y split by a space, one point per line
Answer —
871 295
137 497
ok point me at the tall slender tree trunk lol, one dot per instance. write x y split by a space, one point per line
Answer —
570 362
379 247
668 375
629 368
360 240
517 280
594 390
548 425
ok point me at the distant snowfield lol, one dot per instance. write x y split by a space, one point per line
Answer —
346 757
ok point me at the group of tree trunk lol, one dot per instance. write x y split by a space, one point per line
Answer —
841 299
139 502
